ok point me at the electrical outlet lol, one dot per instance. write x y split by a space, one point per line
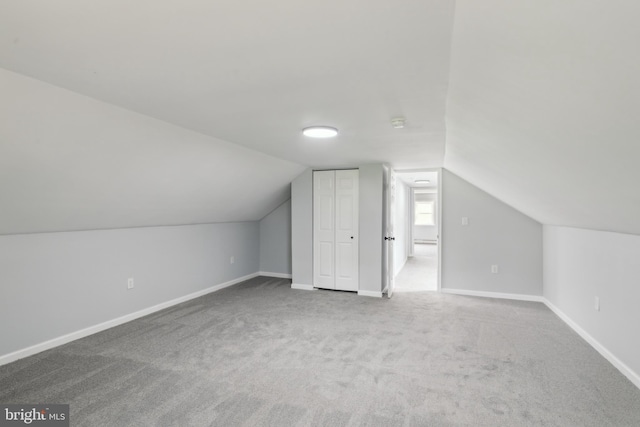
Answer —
596 303
130 283
465 220
494 269
232 260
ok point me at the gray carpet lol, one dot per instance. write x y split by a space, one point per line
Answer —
260 353
420 272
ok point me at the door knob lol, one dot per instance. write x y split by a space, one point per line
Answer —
351 237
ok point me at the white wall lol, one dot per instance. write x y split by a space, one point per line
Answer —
53 284
275 240
302 229
370 263
496 235
580 265
402 222
371 227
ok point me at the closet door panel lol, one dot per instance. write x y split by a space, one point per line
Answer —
324 229
347 202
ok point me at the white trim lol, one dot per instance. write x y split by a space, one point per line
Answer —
617 363
302 287
278 275
404 291
55 342
440 173
624 369
370 294
518 297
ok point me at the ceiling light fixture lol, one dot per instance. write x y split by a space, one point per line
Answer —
398 122
320 132
422 181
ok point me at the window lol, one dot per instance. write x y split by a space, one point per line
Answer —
424 214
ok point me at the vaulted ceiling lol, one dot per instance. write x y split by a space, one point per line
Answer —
544 105
119 114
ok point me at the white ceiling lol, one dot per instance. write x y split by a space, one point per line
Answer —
254 72
544 106
203 103
69 162
409 177
251 73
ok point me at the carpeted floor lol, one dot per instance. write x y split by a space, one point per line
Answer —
420 272
260 353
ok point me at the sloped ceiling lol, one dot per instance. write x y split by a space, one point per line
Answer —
197 106
69 162
253 72
119 114
544 106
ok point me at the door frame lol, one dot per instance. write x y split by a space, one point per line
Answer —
388 229
439 209
439 173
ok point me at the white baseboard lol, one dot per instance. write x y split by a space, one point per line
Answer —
370 294
303 287
621 366
277 275
518 297
404 291
55 342
633 376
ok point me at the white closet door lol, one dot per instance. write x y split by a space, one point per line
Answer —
346 260
324 229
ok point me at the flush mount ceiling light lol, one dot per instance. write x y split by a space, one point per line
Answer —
422 181
320 132
398 122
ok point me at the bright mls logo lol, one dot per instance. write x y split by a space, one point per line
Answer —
35 415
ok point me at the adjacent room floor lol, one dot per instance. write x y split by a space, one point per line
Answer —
261 353
420 272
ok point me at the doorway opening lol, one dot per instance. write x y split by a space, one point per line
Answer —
417 230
